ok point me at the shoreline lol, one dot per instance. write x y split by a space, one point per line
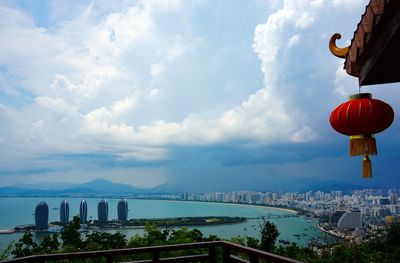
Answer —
290 210
328 232
287 210
229 203
295 223
175 222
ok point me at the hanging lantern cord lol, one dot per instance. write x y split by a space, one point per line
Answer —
366 167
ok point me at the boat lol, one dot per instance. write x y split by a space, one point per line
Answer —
7 231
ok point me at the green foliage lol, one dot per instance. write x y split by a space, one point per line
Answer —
184 235
253 242
176 222
269 234
211 238
376 250
393 236
25 246
49 244
294 251
70 235
153 237
238 240
6 253
137 241
104 241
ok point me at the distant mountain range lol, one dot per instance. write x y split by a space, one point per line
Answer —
102 187
92 188
46 186
327 186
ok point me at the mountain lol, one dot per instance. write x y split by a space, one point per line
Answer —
92 188
11 191
165 188
102 185
46 186
308 184
331 185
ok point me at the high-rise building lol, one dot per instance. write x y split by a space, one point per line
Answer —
123 210
219 197
255 198
64 212
102 211
83 212
350 220
334 218
308 196
384 201
393 198
41 216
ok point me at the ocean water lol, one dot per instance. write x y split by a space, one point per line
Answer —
20 211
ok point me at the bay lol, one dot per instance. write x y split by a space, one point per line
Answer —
20 211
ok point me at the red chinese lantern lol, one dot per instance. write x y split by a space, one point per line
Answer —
360 118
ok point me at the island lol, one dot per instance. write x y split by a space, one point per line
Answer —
141 222
166 222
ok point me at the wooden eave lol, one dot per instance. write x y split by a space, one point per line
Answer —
374 52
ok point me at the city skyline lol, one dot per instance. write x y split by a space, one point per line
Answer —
344 209
353 218
181 94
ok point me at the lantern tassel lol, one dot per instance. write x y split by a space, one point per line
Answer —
366 167
363 144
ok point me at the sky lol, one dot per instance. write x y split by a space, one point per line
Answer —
190 95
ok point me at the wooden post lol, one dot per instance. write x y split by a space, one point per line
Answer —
156 256
211 253
253 259
226 254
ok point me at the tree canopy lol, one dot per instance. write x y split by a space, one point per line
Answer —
379 249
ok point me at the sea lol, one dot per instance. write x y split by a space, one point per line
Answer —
20 211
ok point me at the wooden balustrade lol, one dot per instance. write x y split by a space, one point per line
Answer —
230 253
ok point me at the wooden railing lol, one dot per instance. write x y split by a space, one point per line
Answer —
230 253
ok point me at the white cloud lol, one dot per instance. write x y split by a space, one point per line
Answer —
154 92
94 79
345 84
156 69
123 106
180 46
293 40
348 4
56 105
80 75
305 20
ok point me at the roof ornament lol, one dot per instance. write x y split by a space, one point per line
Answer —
337 51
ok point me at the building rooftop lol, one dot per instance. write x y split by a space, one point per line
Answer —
374 49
